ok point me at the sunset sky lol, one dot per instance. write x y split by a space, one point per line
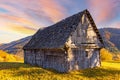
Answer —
21 18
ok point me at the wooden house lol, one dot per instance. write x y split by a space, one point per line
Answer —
71 44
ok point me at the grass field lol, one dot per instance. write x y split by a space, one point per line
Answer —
20 71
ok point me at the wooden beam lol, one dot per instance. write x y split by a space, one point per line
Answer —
88 43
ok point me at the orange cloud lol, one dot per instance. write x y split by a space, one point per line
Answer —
103 10
21 29
49 9
18 20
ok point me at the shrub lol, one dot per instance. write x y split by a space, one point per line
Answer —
10 58
105 55
4 56
1 59
116 57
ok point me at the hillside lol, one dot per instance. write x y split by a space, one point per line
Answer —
5 57
15 47
115 35
20 71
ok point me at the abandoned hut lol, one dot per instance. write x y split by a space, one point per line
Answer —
71 44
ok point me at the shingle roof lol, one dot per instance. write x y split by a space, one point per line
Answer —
56 35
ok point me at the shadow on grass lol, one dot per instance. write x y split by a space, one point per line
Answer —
24 69
11 65
30 72
113 61
37 71
99 72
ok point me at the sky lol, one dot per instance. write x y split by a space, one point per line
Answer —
22 18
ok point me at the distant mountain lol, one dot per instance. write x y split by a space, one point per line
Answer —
1 44
15 47
115 35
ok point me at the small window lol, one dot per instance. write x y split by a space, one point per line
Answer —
86 55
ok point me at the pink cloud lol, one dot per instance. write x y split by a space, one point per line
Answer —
24 17
103 10
35 10
52 9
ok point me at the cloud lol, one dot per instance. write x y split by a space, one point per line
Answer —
12 10
103 10
52 9
18 28
37 12
48 9
115 25
8 36
21 29
25 17
16 19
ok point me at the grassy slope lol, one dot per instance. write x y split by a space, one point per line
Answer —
20 71
6 57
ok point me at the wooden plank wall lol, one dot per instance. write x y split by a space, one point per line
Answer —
47 59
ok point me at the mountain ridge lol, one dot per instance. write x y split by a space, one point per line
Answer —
15 47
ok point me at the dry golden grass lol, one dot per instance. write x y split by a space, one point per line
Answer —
105 55
21 71
5 57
